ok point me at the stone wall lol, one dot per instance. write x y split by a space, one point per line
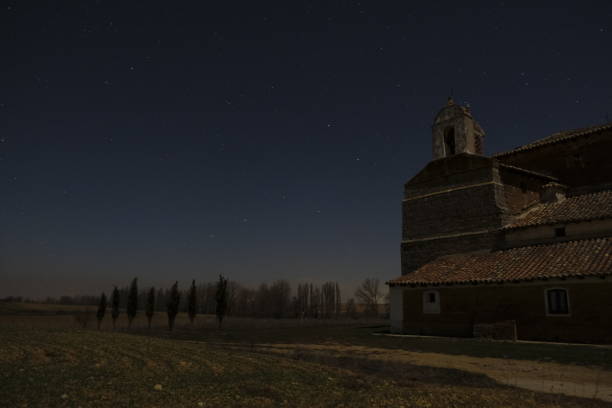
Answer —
468 135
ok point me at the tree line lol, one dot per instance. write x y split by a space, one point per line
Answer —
225 297
172 299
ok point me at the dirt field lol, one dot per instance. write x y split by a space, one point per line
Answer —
45 361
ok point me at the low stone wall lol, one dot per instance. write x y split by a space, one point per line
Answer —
505 330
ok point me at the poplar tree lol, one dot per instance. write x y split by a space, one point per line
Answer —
115 306
221 297
132 301
172 305
101 309
150 307
192 304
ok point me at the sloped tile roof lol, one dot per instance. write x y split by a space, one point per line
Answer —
525 171
557 137
570 259
573 209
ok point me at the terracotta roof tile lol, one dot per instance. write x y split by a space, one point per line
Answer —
578 208
557 137
570 259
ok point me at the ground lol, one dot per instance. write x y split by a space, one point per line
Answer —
45 361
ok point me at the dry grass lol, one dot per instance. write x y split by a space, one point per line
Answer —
57 368
45 361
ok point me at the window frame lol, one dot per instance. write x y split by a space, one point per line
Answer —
547 305
432 307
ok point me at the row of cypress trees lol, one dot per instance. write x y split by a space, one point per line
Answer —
172 304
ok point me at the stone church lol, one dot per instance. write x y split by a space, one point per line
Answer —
518 244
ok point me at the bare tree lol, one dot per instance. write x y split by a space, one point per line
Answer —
245 302
338 301
233 289
315 301
263 305
330 298
368 293
351 309
303 300
280 293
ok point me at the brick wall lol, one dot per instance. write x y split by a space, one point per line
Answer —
448 173
577 162
461 194
520 190
461 307
470 209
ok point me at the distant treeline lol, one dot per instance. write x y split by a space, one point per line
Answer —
62 300
274 300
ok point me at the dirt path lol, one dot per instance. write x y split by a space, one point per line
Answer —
570 380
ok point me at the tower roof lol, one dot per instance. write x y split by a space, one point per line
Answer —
452 110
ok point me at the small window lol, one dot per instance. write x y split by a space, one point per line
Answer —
560 232
431 301
557 302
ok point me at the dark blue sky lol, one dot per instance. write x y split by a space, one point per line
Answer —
179 140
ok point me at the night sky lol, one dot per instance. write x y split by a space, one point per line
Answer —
179 140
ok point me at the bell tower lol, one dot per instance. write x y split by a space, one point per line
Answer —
455 131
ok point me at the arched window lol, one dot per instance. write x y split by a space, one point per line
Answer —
449 141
